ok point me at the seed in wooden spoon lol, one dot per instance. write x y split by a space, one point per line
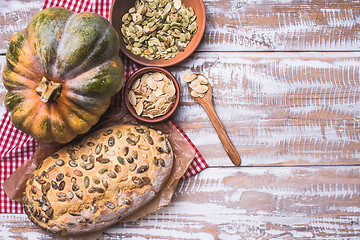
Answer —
194 84
194 93
189 77
202 79
201 89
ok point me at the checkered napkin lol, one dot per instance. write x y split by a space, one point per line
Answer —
16 147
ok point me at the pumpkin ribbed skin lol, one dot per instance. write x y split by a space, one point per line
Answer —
77 55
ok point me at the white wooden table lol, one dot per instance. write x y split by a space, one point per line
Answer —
286 82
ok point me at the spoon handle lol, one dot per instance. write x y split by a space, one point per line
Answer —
224 138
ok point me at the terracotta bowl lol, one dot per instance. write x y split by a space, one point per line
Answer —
138 74
120 7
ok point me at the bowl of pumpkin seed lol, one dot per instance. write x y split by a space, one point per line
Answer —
152 94
158 32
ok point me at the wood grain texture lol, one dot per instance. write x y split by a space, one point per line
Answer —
278 108
14 16
243 203
246 25
281 25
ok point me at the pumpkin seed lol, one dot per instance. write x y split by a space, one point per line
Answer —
60 162
109 205
135 154
70 195
102 170
132 167
95 179
98 148
117 168
59 177
93 208
118 134
91 159
160 139
102 160
150 140
86 181
111 141
156 161
142 168
110 153
74 157
42 181
73 163
108 132
126 151
146 180
130 160
90 144
137 180
49 212
54 185
105 182
61 185
45 188
75 187
55 156
111 174
51 168
130 141
89 166
79 195
162 162
74 214
73 180
84 157
33 189
127 201
78 173
121 160
143 147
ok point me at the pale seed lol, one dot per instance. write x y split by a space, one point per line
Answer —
60 162
189 77
108 132
132 167
73 163
132 98
118 134
109 205
96 180
89 166
201 89
202 79
86 181
98 148
78 173
111 174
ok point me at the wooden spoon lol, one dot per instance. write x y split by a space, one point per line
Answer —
207 104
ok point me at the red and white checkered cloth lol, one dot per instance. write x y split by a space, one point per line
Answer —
16 147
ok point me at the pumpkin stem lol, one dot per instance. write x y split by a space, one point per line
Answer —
48 90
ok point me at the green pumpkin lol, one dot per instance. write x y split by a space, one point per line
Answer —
61 73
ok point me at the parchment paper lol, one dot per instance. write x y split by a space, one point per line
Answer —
183 156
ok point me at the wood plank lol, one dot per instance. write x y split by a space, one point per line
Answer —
14 16
234 25
281 25
242 203
278 108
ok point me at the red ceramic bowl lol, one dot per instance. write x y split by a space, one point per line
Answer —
120 7
138 74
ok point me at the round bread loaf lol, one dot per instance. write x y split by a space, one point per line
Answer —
92 184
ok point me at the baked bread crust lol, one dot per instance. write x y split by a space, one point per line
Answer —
92 184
